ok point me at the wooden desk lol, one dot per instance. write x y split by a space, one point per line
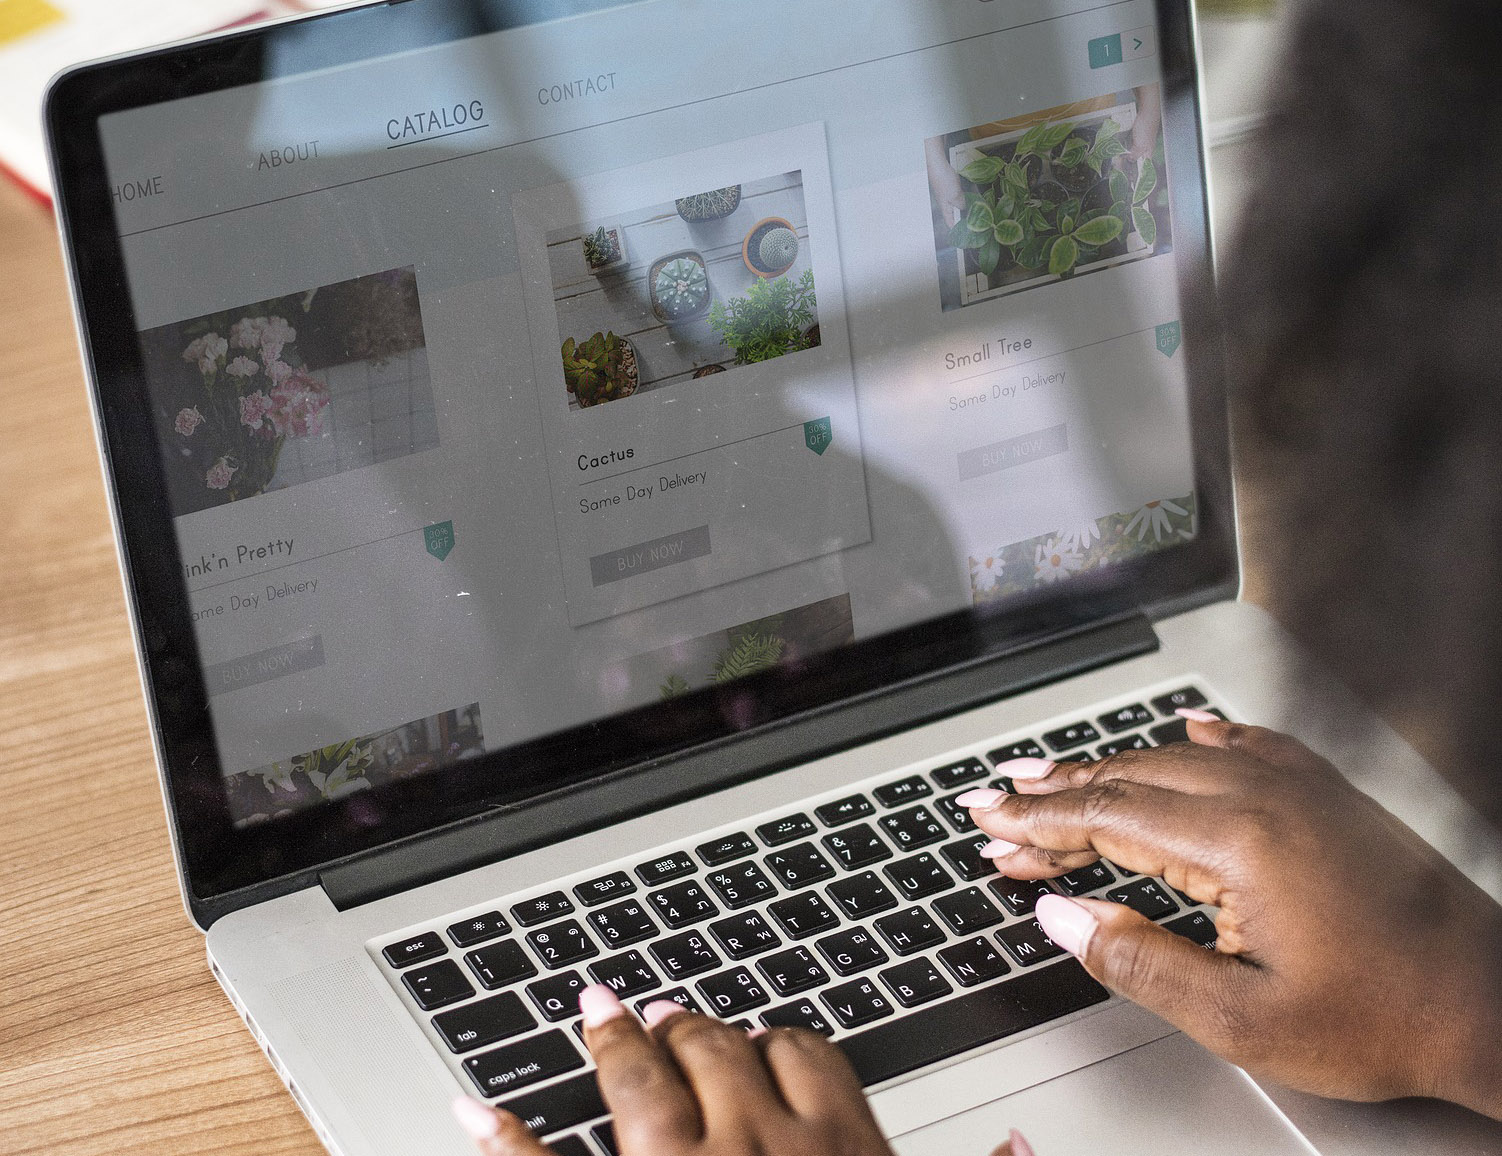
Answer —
113 1036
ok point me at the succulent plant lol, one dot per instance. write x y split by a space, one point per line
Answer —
779 249
681 286
599 370
710 206
600 248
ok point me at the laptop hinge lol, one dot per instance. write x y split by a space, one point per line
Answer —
514 830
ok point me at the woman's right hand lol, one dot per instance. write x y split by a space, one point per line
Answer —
1353 960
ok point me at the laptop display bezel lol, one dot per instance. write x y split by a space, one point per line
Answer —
223 867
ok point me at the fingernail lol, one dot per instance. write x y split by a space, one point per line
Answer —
658 1010
478 1120
1027 769
1020 1146
599 1005
984 797
1065 922
753 1033
998 849
1196 715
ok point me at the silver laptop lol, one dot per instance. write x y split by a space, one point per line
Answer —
596 481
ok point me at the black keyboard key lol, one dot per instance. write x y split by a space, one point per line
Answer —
919 877
973 962
1028 943
604 1135
626 974
1144 897
1189 697
802 1014
847 810
418 949
787 830
543 908
851 951
1165 734
501 964
857 847
967 911
955 815
1077 757
1125 718
916 982
678 995
1026 749
570 1145
562 944
1086 879
958 774
666 869
478 1025
1075 735
913 828
1020 896
732 992
904 791
1196 926
437 985
742 936
800 916
741 885
623 923
684 955
725 848
565 1105
909 931
1130 743
557 997
965 857
478 928
857 1003
953 1027
682 904
861 895
605 888
799 867
520 1065
1002 783
792 971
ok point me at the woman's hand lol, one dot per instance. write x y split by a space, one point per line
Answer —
1353 960
693 1086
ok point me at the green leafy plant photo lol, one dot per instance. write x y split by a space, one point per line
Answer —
771 320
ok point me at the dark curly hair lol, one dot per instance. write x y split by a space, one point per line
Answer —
1363 304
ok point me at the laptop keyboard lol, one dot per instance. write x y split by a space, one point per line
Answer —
868 916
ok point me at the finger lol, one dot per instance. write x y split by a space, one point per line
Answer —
1275 749
817 1082
1015 1145
724 1069
1018 862
1178 766
1177 979
496 1133
654 1109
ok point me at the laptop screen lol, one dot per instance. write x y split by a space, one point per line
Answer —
503 384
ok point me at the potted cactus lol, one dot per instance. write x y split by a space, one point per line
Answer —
599 370
604 247
770 247
714 205
679 286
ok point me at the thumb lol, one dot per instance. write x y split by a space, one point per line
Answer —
1169 975
496 1133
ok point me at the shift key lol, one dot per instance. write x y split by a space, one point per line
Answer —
521 1065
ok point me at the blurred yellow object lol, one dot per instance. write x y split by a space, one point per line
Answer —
1238 7
20 18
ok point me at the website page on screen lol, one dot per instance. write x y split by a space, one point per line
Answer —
503 386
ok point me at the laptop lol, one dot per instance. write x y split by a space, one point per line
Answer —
596 481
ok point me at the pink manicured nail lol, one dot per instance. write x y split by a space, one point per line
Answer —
984 797
478 1120
998 849
753 1033
599 1005
1026 769
1020 1146
658 1010
1193 715
1066 923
